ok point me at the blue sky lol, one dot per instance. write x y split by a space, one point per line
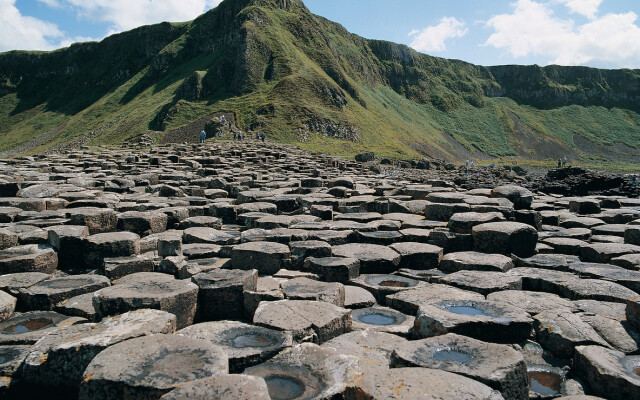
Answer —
600 33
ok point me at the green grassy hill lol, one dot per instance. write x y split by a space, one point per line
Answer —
303 79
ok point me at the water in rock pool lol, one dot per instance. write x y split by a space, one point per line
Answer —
544 383
466 310
252 340
450 355
29 326
377 319
284 387
393 284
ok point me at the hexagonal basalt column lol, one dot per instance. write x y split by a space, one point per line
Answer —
47 294
221 294
307 371
308 289
475 261
382 319
505 238
28 258
309 321
373 258
333 269
61 357
245 344
484 320
418 256
608 372
266 257
142 223
222 387
419 383
496 365
150 366
106 245
149 290
28 328
383 285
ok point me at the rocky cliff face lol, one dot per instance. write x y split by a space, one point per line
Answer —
556 86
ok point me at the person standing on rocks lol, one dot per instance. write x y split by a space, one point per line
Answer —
564 162
262 137
634 181
235 135
559 163
203 136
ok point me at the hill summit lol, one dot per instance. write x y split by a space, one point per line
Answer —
275 67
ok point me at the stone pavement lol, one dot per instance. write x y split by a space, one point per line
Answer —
255 271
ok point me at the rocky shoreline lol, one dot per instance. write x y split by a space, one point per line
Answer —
250 270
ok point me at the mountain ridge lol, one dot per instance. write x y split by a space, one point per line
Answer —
304 79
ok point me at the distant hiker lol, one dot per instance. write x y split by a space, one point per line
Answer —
240 135
466 165
203 136
564 162
220 133
262 137
559 163
473 166
223 120
235 135
257 136
634 181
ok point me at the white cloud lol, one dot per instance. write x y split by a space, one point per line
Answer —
532 29
432 38
588 8
51 3
123 15
22 32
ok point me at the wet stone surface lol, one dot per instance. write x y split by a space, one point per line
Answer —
28 328
484 320
307 371
382 319
496 365
245 344
150 366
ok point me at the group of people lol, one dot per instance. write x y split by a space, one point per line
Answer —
237 135
471 165
562 162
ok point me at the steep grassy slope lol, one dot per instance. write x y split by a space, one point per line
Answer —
304 79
